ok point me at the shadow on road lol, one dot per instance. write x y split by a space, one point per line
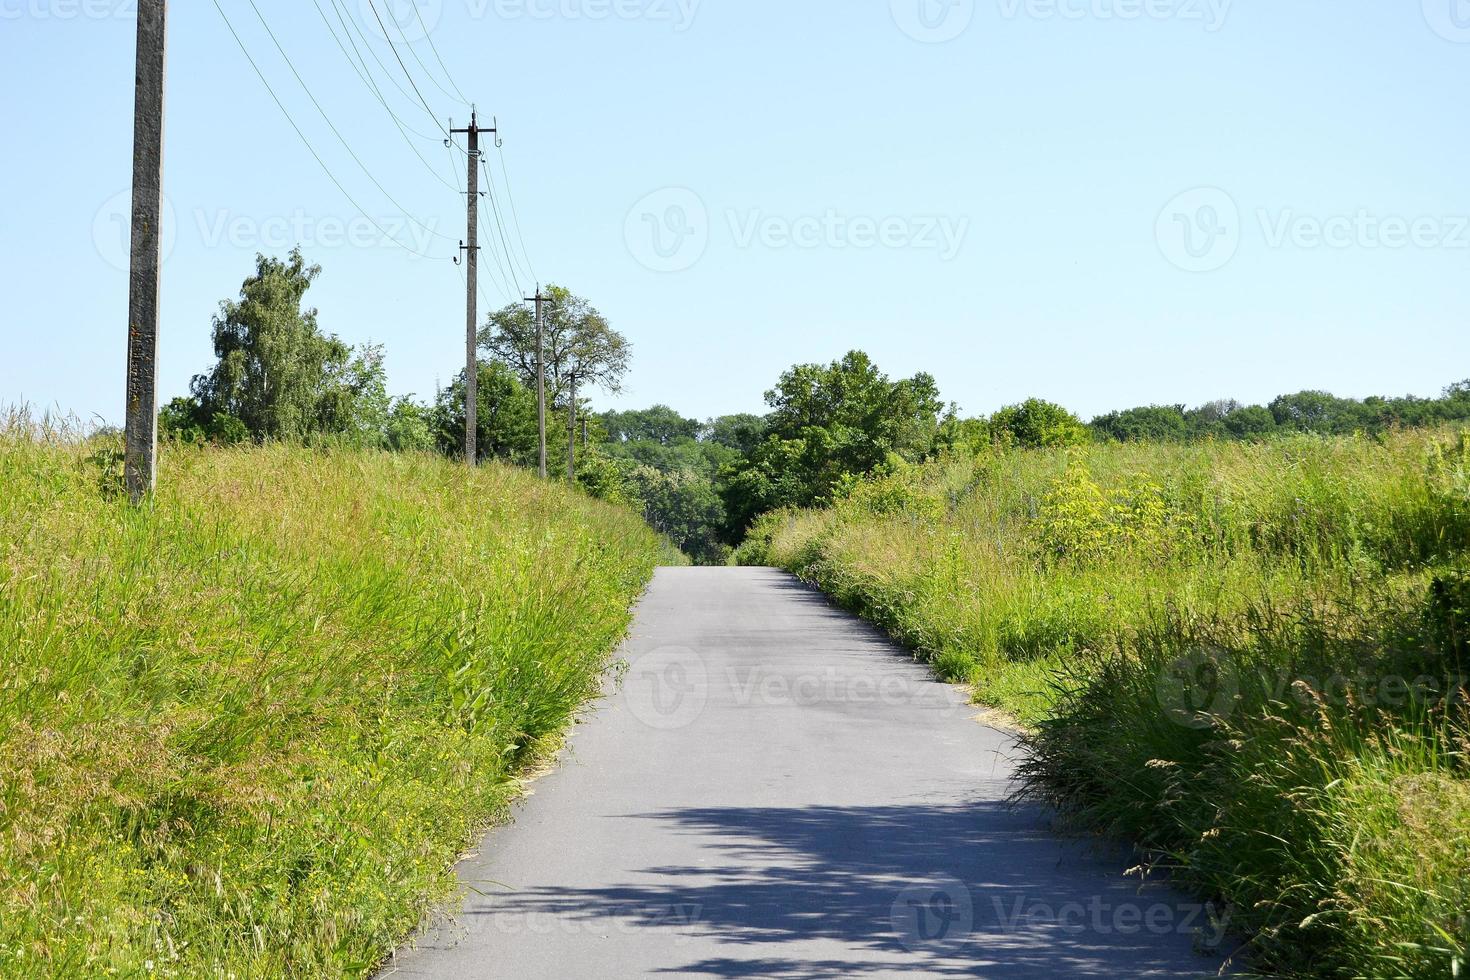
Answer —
971 890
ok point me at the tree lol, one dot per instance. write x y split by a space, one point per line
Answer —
1160 423
683 506
1037 424
411 427
277 372
741 433
659 424
580 349
506 427
828 423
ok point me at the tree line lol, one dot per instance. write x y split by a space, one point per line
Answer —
278 375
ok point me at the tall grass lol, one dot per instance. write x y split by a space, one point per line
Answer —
246 729
1247 658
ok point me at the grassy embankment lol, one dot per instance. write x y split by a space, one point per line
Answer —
1249 659
247 729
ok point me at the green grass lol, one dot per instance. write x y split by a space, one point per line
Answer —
1210 647
247 729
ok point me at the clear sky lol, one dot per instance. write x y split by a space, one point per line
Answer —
1101 202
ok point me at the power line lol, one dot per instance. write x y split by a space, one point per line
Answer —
374 8
347 146
403 129
349 26
420 61
499 225
511 197
317 156
454 166
429 36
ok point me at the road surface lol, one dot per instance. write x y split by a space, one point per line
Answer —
776 791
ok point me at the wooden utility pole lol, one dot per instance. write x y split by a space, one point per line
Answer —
140 428
572 434
540 299
472 269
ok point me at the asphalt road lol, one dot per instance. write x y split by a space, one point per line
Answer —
777 791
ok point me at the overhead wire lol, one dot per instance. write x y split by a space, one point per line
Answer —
407 44
429 36
407 74
349 26
464 193
338 133
499 224
308 144
402 127
515 216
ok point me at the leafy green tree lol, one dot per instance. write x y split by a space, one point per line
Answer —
828 423
1250 422
660 424
1160 423
1037 424
411 427
506 427
580 348
276 371
741 433
685 507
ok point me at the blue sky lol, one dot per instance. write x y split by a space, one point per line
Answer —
1101 202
